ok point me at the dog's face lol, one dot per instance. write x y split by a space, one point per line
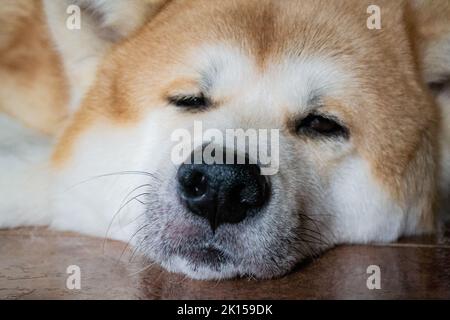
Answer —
356 158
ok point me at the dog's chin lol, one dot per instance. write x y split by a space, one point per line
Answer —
207 263
201 266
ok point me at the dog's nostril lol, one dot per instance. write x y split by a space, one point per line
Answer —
193 183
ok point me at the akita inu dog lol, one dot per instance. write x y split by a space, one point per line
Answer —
363 116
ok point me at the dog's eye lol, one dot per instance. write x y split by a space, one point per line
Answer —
439 86
190 102
320 125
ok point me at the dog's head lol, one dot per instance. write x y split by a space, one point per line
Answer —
355 133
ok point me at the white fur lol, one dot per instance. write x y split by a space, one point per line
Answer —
24 183
84 201
288 84
364 211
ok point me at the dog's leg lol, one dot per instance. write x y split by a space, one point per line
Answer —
23 176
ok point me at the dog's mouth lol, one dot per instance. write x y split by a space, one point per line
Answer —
206 256
199 247
187 245
201 262
185 242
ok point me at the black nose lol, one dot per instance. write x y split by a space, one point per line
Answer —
222 193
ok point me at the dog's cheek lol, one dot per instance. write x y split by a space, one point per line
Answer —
91 185
363 211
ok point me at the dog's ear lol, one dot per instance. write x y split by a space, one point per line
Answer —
432 27
83 30
109 20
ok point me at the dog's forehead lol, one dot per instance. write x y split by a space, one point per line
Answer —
227 73
267 28
303 48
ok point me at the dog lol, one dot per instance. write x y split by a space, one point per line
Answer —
363 116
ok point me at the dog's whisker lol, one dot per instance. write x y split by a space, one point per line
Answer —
129 241
322 224
312 234
116 214
150 265
136 249
119 173
304 234
311 252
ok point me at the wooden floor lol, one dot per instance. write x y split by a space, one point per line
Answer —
33 265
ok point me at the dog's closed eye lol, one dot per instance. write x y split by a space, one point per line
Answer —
191 102
318 125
